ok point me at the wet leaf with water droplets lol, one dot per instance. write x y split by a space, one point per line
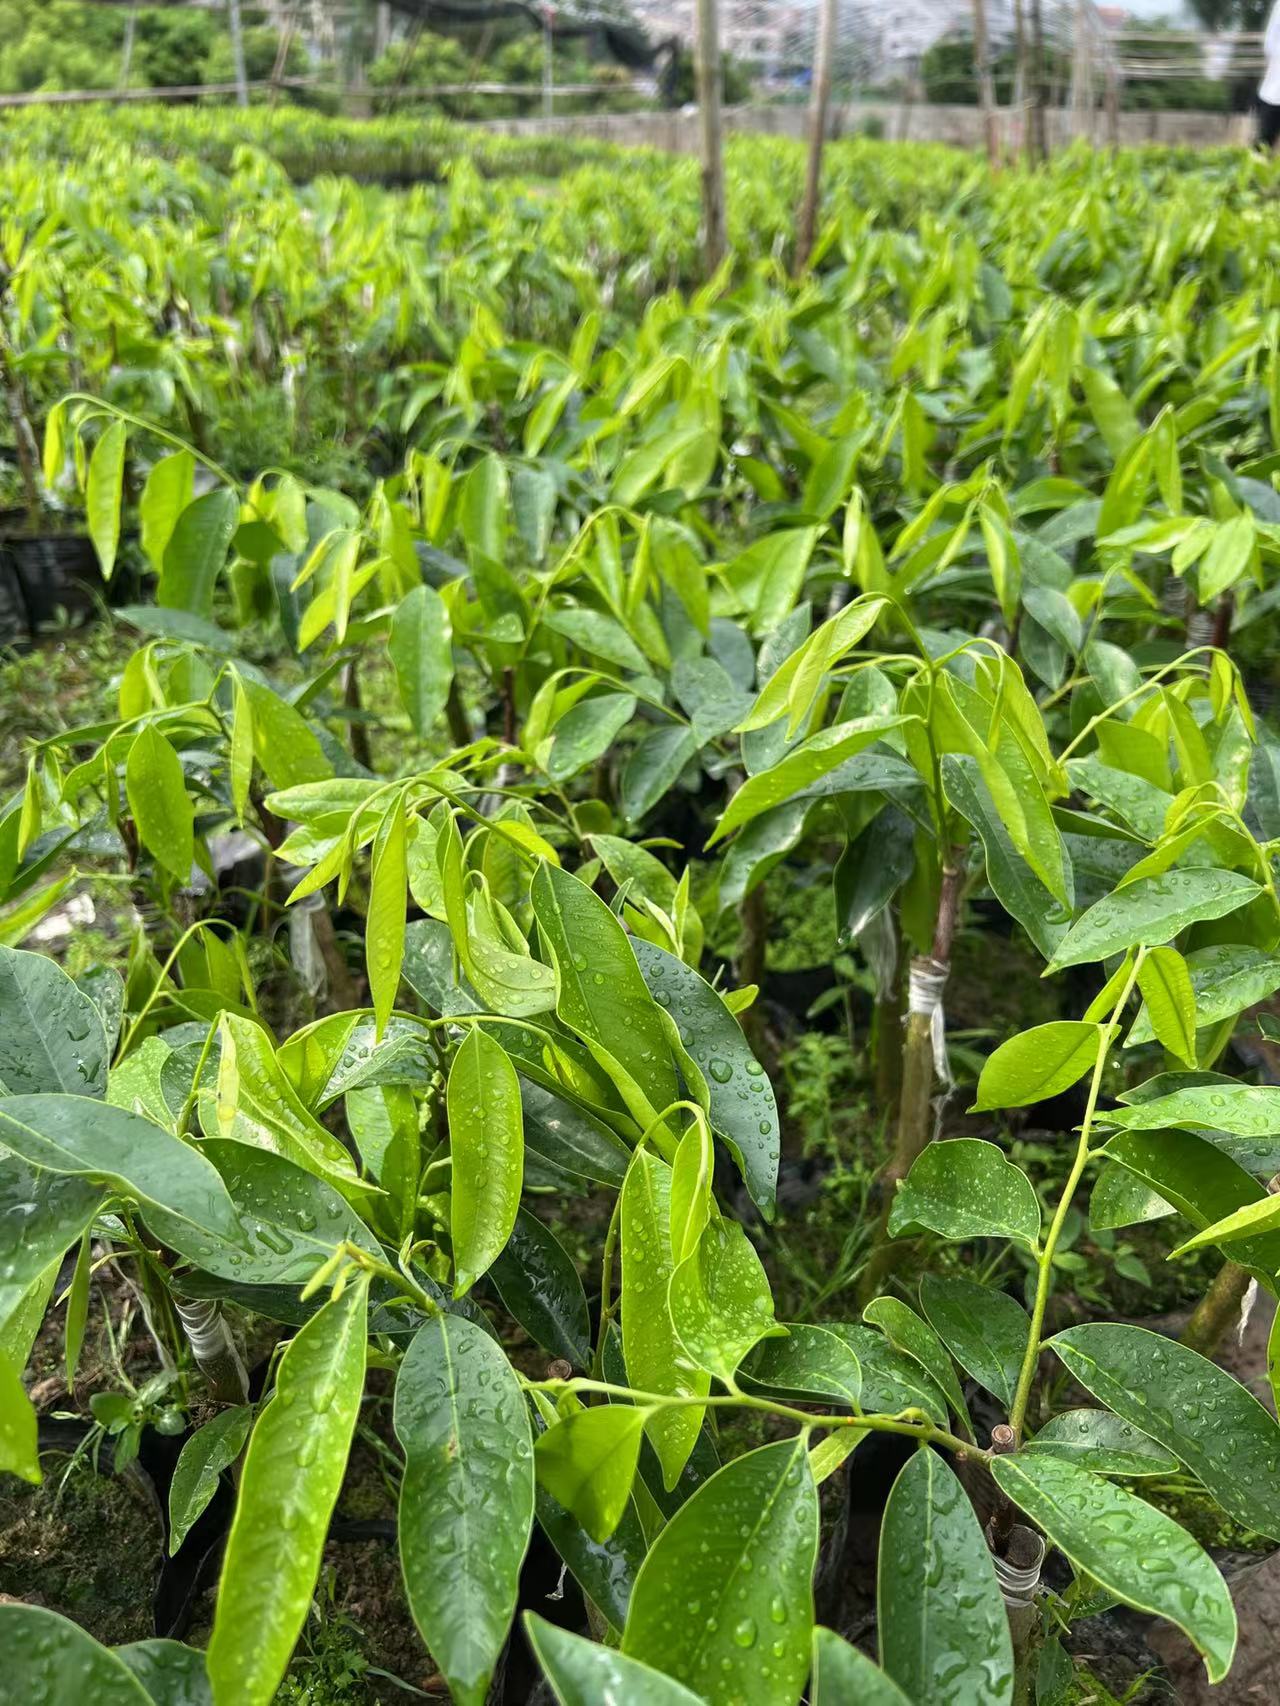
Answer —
46 1660
944 1634
486 1141
588 1463
965 1188
292 1475
915 1338
720 1299
539 1285
584 1673
1210 1422
984 1329
388 900
19 1451
843 1675
1152 910
812 1362
734 1086
51 1033
724 1603
1139 1554
466 1501
171 1673
42 1214
1107 1444
210 1449
1037 1064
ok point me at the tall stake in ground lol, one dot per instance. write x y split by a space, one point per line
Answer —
818 105
237 53
986 85
707 53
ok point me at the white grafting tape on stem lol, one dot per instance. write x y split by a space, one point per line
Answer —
206 1331
926 986
1018 1582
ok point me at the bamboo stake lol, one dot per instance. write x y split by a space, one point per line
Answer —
986 84
707 55
819 103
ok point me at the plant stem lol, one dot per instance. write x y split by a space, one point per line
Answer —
1218 1311
1044 1259
754 917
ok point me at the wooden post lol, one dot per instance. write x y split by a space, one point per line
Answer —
126 51
986 84
1038 148
707 55
819 102
237 53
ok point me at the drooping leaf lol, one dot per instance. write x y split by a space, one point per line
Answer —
812 759
703 1611
211 1449
159 804
965 1188
1225 979
420 646
19 1448
466 1501
984 1329
388 900
539 1285
104 493
1208 1420
486 1141
1170 1000
51 1034
585 1673
42 1215
588 1463
292 1475
720 1300
1137 1553
196 551
944 1633
915 1338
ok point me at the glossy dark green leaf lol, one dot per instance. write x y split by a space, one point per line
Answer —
1211 1423
655 1360
46 1658
292 1475
1037 1064
871 870
1195 1177
890 1380
570 1138
1137 1553
606 1570
944 1633
739 1097
842 1675
913 1337
584 1673
171 1673
429 969
600 993
42 1215
159 804
75 1135
196 552
984 1329
1120 1198
539 1285
654 767
811 760
421 651
1106 1444
1225 978
1014 884
466 1501
486 1141
19 1448
588 1461
587 731
965 1188
210 1449
51 1033
703 1610
1245 1110
1152 910
810 1362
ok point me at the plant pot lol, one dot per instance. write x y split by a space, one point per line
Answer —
43 574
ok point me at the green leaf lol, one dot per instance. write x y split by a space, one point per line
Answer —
1106 1444
812 1362
597 634
292 1476
720 1300
466 1501
1201 1181
739 1097
47 1658
240 752
388 901
1137 1553
1211 1423
159 804
19 1447
1014 884
506 981
420 646
600 993
168 490
654 767
1225 979
871 870
283 743
72 1134
257 1104
587 731
655 1359
1227 559
588 1463
843 1675
767 576
810 761
41 1215
1152 910
569 1138
77 1311
944 1633
486 1141
584 1673
985 1330
1037 1064
51 1035
965 1188
1244 1110
173 1675
197 551
915 1338
704 1612
103 493
1166 988
210 1449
